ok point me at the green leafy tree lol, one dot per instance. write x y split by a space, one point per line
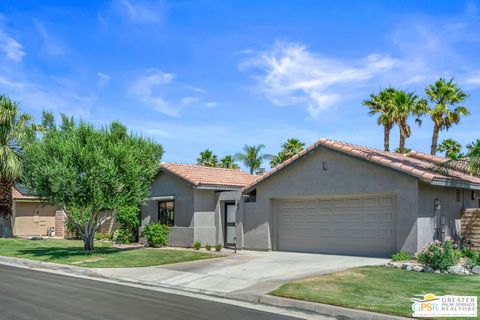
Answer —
446 97
86 171
383 105
406 104
290 148
228 162
452 148
252 157
207 159
16 129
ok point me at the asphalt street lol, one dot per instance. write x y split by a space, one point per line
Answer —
28 294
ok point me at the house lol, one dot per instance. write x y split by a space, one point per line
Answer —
333 197
34 217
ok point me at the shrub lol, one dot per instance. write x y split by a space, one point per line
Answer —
402 256
439 256
473 257
103 236
156 234
197 245
218 247
123 236
208 247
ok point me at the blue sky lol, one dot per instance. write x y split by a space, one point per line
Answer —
221 74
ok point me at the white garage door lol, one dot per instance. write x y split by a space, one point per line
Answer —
362 225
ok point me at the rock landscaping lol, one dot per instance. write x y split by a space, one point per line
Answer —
440 258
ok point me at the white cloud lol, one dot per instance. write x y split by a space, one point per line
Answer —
473 79
148 89
103 79
190 100
151 13
211 104
12 49
50 45
291 74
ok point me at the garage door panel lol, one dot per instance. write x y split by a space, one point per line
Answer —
349 225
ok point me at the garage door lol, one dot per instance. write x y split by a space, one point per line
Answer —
362 225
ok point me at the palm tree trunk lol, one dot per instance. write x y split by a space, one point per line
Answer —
401 147
436 130
6 203
386 137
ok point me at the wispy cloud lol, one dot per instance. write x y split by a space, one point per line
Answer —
289 73
50 45
12 49
211 104
148 89
103 79
149 12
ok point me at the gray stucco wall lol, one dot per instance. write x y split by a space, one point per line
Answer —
345 176
198 212
450 209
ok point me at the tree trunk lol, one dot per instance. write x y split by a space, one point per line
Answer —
386 137
401 147
436 131
6 203
88 242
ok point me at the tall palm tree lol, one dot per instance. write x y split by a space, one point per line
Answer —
228 162
382 104
15 129
252 157
452 148
405 105
445 95
207 159
473 154
289 148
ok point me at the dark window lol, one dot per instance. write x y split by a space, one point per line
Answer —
166 212
252 196
458 196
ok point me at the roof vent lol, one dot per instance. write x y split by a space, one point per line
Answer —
260 172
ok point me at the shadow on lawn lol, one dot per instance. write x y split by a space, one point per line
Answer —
56 253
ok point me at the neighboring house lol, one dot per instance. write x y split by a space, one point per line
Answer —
34 217
333 198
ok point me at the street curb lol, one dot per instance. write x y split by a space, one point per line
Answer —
267 300
50 266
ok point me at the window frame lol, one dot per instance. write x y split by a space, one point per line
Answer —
159 203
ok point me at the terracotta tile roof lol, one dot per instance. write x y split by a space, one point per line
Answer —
424 167
210 177
17 194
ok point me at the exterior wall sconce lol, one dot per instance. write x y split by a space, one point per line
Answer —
436 205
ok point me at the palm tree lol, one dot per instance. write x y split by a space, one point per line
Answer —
382 104
207 159
15 129
290 148
444 95
405 105
228 162
252 158
473 155
452 148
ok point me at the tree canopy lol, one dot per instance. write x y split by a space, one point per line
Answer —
86 170
290 148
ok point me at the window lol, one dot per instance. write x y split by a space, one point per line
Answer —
252 196
166 212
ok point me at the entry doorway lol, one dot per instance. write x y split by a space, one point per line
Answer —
230 224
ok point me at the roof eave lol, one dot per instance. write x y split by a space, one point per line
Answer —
455 184
217 187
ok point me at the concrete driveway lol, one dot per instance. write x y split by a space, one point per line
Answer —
248 272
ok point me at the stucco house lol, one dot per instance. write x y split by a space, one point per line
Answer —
333 197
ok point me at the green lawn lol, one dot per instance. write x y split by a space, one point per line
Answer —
378 289
71 252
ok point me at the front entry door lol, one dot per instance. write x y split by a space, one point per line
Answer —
230 224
